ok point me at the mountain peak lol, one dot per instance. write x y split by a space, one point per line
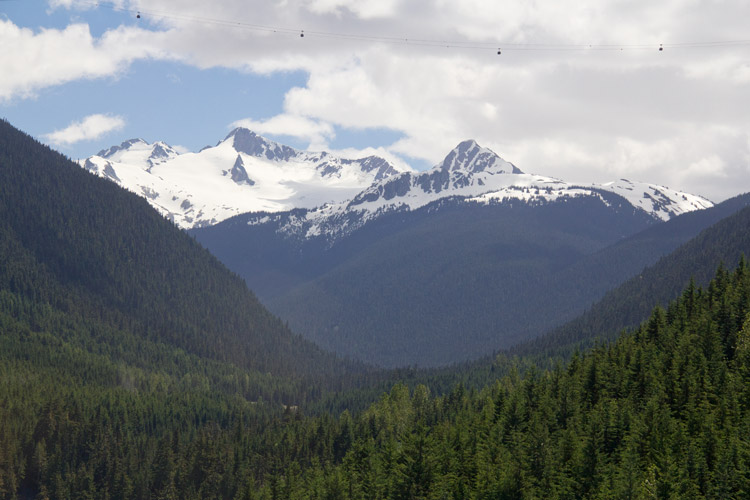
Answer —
242 131
248 142
468 144
139 151
125 145
469 156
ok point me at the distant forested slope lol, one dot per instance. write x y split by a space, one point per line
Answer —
446 283
725 242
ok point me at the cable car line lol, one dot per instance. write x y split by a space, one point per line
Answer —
421 42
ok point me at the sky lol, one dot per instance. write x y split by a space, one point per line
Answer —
573 89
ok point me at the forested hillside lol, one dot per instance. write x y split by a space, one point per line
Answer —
117 330
498 275
661 413
602 271
84 247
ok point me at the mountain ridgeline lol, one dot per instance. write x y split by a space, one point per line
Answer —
399 267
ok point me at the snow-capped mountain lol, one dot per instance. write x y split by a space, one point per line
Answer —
473 174
247 173
242 173
445 265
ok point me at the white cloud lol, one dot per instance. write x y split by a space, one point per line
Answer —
78 4
710 161
365 9
712 166
31 61
89 128
733 68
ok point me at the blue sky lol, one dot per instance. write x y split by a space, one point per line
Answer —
580 92
158 100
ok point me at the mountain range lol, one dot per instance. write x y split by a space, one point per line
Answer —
242 173
471 174
245 172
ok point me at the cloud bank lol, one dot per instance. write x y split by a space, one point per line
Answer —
31 61
580 90
90 127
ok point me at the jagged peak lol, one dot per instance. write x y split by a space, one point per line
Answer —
161 150
471 157
468 144
242 131
106 153
246 141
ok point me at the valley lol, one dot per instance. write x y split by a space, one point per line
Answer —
134 364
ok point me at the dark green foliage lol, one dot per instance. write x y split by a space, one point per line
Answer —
661 413
118 335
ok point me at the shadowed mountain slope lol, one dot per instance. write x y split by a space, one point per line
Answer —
88 248
724 242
